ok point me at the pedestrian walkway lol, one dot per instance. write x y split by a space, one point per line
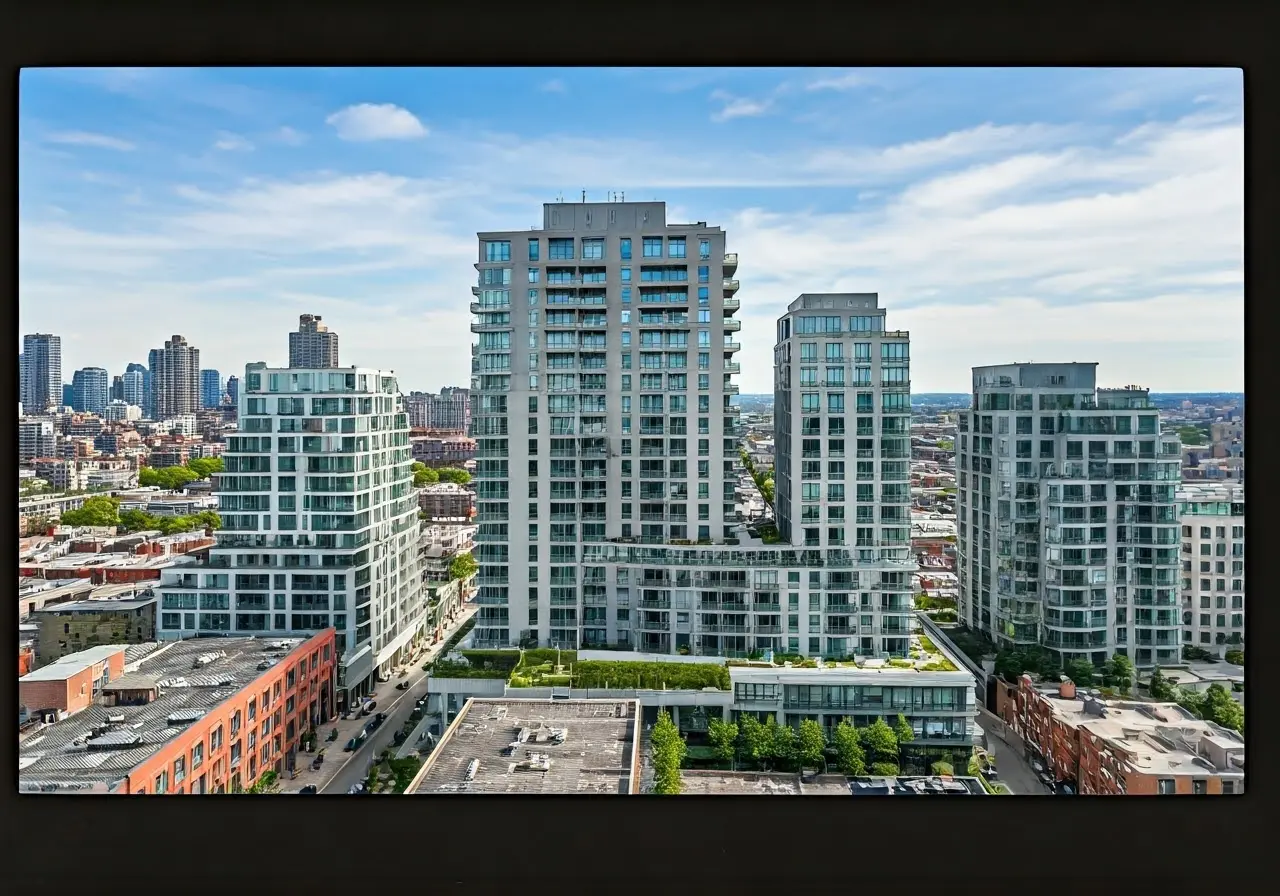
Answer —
387 698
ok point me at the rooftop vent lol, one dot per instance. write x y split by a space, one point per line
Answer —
185 716
472 767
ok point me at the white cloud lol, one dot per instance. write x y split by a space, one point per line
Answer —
849 81
370 121
289 136
555 85
232 143
85 138
737 106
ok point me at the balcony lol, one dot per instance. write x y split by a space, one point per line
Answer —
730 262
731 389
477 308
731 325
762 606
732 367
730 286
730 346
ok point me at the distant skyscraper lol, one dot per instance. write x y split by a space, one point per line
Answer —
68 395
22 375
89 390
42 357
449 411
233 390
210 388
314 345
175 379
136 384
117 388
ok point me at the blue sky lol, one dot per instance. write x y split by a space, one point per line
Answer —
1002 214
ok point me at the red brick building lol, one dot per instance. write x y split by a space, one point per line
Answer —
227 709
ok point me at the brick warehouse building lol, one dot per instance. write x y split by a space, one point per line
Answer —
204 715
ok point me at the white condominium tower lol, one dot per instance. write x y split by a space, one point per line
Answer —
319 523
1068 518
607 451
1212 517
842 430
604 434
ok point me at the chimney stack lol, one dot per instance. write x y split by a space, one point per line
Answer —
1067 689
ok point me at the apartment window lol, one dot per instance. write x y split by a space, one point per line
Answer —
624 248
497 250
533 275
161 782
704 248
676 247
593 249
704 274
1166 787
533 250
651 247
560 249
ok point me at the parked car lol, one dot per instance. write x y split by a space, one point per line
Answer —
402 686
309 790
356 742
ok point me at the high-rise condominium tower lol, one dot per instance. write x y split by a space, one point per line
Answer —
42 359
319 523
210 388
1212 518
1068 517
136 382
175 379
313 344
89 389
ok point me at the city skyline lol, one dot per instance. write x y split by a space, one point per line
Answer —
1049 214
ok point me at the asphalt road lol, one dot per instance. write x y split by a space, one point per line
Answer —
398 705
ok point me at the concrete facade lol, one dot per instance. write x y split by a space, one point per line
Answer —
68 628
1067 515
1213 585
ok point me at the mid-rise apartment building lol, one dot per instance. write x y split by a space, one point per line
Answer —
319 523
1212 518
450 411
89 389
41 372
36 438
313 344
175 379
1067 515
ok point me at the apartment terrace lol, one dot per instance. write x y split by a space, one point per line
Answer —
699 782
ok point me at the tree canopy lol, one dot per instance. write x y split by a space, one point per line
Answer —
176 477
880 742
668 752
850 757
811 743
1080 671
96 511
723 737
462 566
424 475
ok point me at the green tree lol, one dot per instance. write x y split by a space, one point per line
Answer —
207 519
1120 669
423 475
668 752
942 768
811 743
903 731
782 740
884 769
96 511
462 566
755 739
850 757
453 474
1080 671
134 520
723 736
1235 657
879 741
204 467
1217 705
1160 688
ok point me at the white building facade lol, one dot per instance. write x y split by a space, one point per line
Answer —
319 523
1212 517
1067 515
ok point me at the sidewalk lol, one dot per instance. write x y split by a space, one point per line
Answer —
389 700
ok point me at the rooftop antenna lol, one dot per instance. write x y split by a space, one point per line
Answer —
584 195
624 195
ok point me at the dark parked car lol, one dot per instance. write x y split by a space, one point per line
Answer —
309 790
355 742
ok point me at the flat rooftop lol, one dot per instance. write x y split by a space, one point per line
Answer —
72 663
97 747
717 783
99 605
560 747
916 786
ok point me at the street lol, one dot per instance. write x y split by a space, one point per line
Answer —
341 770
1014 771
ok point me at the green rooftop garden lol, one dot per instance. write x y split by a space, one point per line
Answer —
547 667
